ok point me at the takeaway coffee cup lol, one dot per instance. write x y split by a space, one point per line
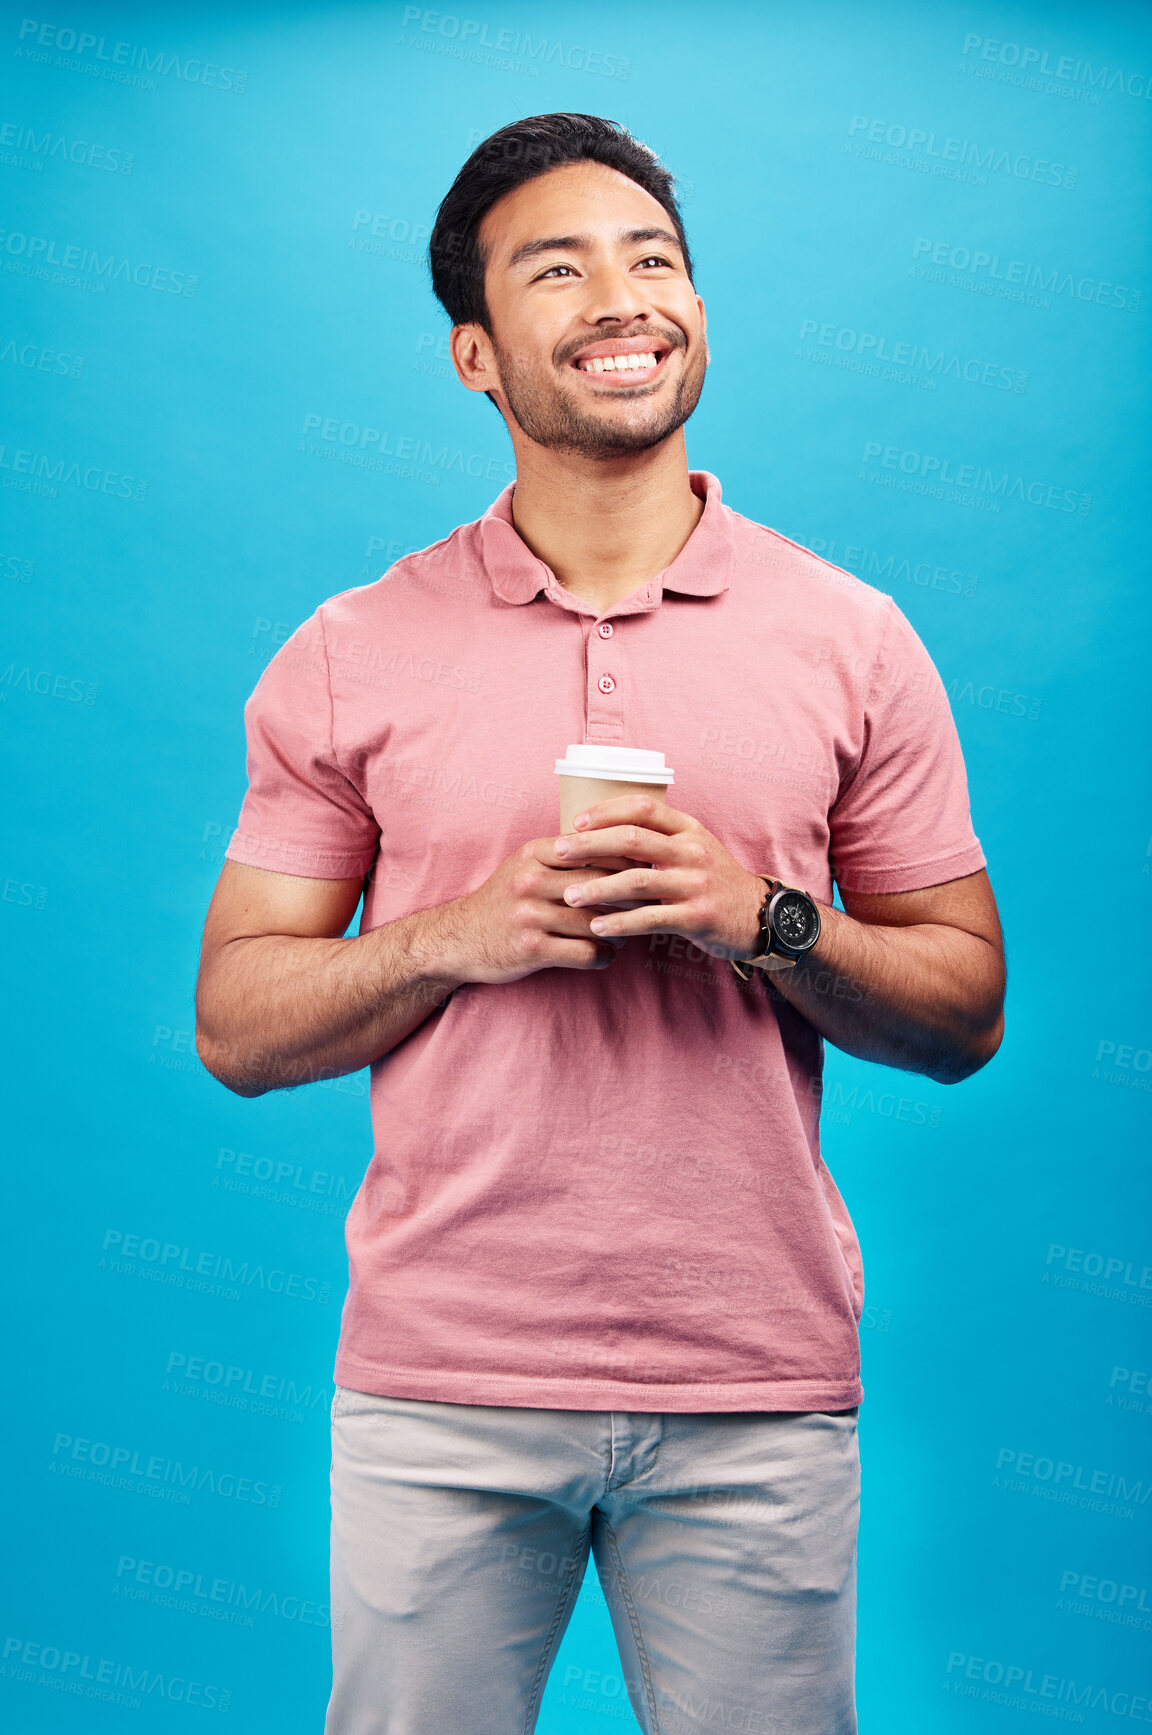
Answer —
594 773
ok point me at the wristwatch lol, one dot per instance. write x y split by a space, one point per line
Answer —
789 927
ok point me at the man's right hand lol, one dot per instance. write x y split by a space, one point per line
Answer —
284 997
517 922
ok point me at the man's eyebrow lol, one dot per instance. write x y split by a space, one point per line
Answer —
550 244
583 243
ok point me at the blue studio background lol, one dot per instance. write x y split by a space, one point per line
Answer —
922 236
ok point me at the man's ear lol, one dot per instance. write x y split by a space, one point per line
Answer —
474 358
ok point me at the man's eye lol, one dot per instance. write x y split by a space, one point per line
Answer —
654 259
550 270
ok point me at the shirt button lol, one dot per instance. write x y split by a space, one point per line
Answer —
605 629
606 684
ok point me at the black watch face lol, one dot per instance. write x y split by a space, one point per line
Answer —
796 921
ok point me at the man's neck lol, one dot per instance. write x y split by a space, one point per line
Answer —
605 527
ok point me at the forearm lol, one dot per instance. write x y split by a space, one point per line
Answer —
926 998
275 1010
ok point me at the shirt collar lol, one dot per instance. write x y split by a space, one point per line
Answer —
703 566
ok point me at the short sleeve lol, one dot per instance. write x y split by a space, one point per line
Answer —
901 819
301 814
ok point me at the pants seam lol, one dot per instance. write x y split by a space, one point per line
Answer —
634 1623
563 1605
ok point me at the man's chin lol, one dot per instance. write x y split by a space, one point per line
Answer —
611 437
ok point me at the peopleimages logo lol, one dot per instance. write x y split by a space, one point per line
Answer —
1009 1682
219 1597
1107 1591
1037 63
43 147
909 360
962 153
43 474
1111 1269
244 1388
86 1676
927 473
168 1475
1025 274
378 449
39 358
1095 1490
463 38
169 1262
32 254
122 60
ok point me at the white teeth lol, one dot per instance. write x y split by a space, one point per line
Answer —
618 363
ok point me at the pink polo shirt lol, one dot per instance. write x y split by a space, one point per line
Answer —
604 1190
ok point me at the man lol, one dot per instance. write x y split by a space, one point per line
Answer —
604 1293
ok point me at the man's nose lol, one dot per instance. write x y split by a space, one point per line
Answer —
615 296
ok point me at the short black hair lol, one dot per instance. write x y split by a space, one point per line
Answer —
515 154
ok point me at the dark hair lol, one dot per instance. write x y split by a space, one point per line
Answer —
507 159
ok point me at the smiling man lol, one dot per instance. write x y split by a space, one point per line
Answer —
604 1292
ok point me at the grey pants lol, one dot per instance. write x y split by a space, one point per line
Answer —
725 1543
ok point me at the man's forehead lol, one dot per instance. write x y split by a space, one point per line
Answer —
577 197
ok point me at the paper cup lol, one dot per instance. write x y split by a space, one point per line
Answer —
589 774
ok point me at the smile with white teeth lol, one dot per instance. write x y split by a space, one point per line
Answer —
617 363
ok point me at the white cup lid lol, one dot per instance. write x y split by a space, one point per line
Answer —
617 764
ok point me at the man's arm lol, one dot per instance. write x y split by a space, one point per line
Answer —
914 980
911 979
282 999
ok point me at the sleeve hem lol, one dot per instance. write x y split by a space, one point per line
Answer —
915 876
303 860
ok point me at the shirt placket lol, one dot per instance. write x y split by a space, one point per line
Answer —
605 669
604 682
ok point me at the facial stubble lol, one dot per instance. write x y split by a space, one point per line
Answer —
552 418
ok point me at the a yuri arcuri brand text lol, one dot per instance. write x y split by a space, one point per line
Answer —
170 1260
124 1462
1111 1267
1043 63
990 269
44 473
83 1674
216 1595
1060 1474
249 1386
922 149
27 147
905 360
123 62
1110 1592
467 37
369 448
934 472
1025 1689
34 255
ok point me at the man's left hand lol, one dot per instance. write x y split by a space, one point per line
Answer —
686 883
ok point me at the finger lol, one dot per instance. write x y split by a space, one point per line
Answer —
559 879
601 863
543 850
560 920
636 809
640 885
649 919
583 955
634 842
